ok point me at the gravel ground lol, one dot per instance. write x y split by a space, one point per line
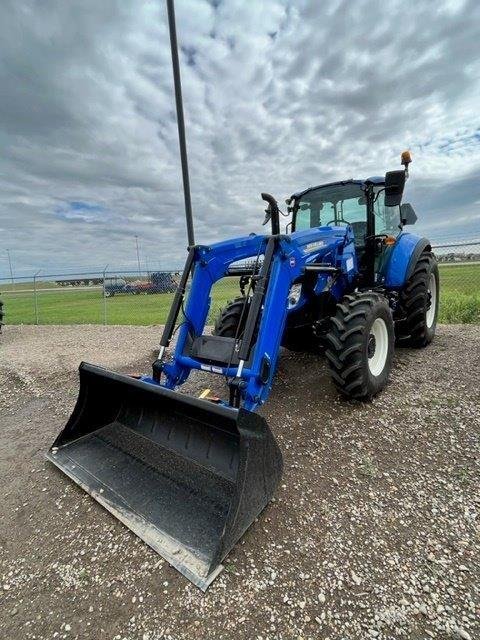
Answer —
373 533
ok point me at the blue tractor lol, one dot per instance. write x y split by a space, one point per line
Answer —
189 475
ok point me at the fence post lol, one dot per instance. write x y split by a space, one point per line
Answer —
35 295
104 297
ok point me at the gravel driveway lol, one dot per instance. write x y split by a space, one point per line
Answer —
374 531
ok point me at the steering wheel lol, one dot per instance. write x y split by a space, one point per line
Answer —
338 222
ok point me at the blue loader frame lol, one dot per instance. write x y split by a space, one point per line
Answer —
328 251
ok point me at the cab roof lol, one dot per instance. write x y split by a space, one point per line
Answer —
377 180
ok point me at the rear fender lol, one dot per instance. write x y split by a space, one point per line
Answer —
403 258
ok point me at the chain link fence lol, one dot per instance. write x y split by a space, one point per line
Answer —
108 297
459 266
124 297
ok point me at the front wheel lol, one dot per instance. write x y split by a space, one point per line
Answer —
231 320
360 344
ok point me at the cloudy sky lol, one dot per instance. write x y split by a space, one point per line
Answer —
279 95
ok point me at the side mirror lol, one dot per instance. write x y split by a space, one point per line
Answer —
407 214
394 185
288 202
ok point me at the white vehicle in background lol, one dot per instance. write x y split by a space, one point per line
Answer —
111 286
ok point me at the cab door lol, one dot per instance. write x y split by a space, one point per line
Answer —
387 224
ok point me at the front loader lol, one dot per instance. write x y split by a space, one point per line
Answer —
190 475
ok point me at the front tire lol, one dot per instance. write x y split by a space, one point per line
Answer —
231 320
419 304
360 344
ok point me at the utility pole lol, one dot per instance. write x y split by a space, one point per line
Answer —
11 270
180 122
138 257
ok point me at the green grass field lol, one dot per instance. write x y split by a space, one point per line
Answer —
459 302
88 306
460 293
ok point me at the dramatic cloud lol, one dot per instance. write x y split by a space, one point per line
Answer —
279 95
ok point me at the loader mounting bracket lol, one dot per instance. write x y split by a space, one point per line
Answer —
236 386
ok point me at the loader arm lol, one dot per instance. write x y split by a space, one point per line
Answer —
250 363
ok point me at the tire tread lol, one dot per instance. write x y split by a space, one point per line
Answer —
412 329
345 340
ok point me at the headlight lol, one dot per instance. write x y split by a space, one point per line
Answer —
294 295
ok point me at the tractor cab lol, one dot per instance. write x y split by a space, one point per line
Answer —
371 207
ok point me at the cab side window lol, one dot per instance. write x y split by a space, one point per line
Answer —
387 219
308 215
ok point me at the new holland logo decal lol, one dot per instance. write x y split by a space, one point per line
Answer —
311 246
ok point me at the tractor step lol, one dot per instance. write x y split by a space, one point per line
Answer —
187 476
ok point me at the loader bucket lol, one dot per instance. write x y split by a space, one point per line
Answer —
187 476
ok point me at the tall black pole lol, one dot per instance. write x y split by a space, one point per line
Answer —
11 269
180 121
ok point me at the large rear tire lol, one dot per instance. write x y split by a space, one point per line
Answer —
360 344
419 304
231 320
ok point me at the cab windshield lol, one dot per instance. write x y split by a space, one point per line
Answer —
341 204
334 204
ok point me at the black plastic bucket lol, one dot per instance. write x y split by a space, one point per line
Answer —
187 476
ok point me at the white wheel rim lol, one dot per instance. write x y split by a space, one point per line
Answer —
379 337
432 291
